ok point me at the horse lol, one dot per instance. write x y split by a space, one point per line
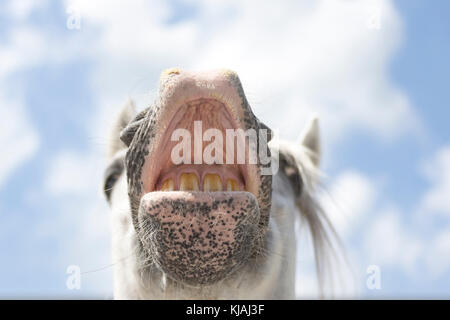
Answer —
184 227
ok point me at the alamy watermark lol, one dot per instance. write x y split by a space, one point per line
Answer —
374 18
73 281
74 19
373 281
236 146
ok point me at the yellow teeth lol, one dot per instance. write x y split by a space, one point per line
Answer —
189 181
232 185
212 182
168 185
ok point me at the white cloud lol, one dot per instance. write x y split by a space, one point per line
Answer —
301 56
81 222
350 198
438 253
81 228
72 173
436 200
437 170
389 243
15 53
22 9
18 139
315 56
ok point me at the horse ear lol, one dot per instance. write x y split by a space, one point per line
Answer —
127 133
125 116
310 139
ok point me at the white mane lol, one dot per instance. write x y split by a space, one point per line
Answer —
326 242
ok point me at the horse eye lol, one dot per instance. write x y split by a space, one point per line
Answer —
112 175
287 163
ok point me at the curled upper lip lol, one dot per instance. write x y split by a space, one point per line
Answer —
178 91
164 171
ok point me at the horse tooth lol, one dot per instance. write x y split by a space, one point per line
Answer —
195 185
212 182
189 181
168 185
232 185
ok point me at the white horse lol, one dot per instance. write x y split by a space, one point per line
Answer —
233 238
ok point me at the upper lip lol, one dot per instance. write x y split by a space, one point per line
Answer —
240 173
180 90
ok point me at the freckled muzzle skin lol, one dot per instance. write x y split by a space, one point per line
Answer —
198 237
198 253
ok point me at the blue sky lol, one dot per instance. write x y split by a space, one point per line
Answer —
381 94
